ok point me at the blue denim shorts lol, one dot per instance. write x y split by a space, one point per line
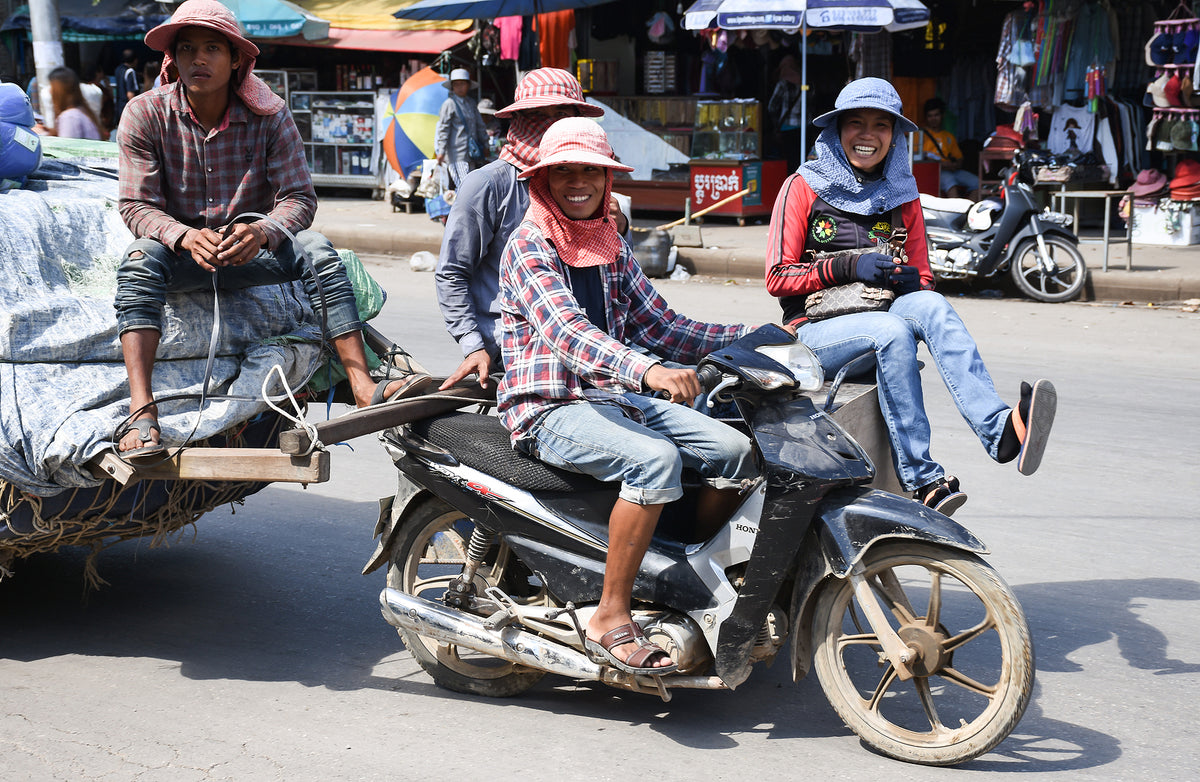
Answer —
601 439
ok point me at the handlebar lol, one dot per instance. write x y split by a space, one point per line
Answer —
709 377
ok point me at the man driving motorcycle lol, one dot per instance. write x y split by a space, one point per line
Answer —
575 309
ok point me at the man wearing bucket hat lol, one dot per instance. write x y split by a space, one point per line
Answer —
577 314
460 138
827 221
487 208
210 145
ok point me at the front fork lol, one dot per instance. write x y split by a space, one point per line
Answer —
897 652
1048 265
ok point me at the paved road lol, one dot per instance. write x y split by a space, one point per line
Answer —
254 650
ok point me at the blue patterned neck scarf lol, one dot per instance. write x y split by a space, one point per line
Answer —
844 187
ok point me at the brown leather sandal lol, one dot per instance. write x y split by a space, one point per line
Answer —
638 662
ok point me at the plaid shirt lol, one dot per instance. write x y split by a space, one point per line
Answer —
553 353
174 176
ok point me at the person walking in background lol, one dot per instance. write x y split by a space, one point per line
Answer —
128 83
107 111
460 140
150 75
73 117
941 145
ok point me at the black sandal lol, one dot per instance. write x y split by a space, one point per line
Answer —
942 495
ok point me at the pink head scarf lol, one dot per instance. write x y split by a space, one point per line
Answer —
211 14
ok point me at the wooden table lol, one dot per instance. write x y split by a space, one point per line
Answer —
1107 195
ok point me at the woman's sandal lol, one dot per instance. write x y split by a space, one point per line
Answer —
638 662
942 495
1033 429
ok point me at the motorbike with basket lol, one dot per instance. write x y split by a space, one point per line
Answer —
1007 234
495 562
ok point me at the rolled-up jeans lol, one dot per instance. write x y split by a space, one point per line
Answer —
922 316
150 270
600 439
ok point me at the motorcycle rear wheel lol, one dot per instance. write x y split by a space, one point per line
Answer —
974 665
429 552
1064 284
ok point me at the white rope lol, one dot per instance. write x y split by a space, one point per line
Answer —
310 429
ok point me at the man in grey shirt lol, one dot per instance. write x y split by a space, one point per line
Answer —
488 207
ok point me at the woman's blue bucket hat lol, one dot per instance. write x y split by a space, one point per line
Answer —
868 93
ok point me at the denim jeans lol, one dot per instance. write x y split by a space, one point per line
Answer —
923 316
601 440
149 270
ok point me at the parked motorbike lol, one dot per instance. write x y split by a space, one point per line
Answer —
984 240
495 562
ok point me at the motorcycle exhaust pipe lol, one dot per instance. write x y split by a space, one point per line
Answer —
444 624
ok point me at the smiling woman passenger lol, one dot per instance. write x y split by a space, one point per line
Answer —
828 219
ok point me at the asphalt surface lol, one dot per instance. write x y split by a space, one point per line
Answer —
1158 274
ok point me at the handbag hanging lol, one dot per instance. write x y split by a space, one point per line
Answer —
852 297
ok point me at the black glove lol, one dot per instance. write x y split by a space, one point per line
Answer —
874 268
905 279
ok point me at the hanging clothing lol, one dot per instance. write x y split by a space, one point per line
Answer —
529 57
556 38
1092 43
872 54
510 36
1071 126
1011 79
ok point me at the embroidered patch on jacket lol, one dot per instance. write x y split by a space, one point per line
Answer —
824 229
881 230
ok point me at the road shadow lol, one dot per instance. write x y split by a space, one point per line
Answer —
274 593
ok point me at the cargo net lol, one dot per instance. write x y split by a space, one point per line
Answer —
97 517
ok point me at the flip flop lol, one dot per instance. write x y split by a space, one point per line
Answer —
143 426
601 651
1035 431
411 385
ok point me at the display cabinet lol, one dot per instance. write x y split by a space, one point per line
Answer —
338 129
727 130
285 81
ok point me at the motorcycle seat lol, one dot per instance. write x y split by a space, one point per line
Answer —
482 443
953 205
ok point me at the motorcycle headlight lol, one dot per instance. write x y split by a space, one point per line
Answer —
800 361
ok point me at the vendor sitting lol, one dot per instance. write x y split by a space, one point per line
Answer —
941 145
212 145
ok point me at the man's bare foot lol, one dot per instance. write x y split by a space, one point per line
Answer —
385 391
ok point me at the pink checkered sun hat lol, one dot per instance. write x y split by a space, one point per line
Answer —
549 87
574 140
201 13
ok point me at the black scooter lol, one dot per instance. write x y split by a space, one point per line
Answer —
495 562
976 241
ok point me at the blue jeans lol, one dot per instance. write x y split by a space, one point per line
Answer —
923 316
149 270
601 440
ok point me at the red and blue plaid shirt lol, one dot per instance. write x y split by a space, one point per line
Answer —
174 176
554 355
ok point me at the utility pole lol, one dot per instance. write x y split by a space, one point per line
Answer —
47 51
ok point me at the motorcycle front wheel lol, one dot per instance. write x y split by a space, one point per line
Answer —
429 552
973 666
1031 278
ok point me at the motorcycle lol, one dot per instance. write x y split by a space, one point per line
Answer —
984 240
495 562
